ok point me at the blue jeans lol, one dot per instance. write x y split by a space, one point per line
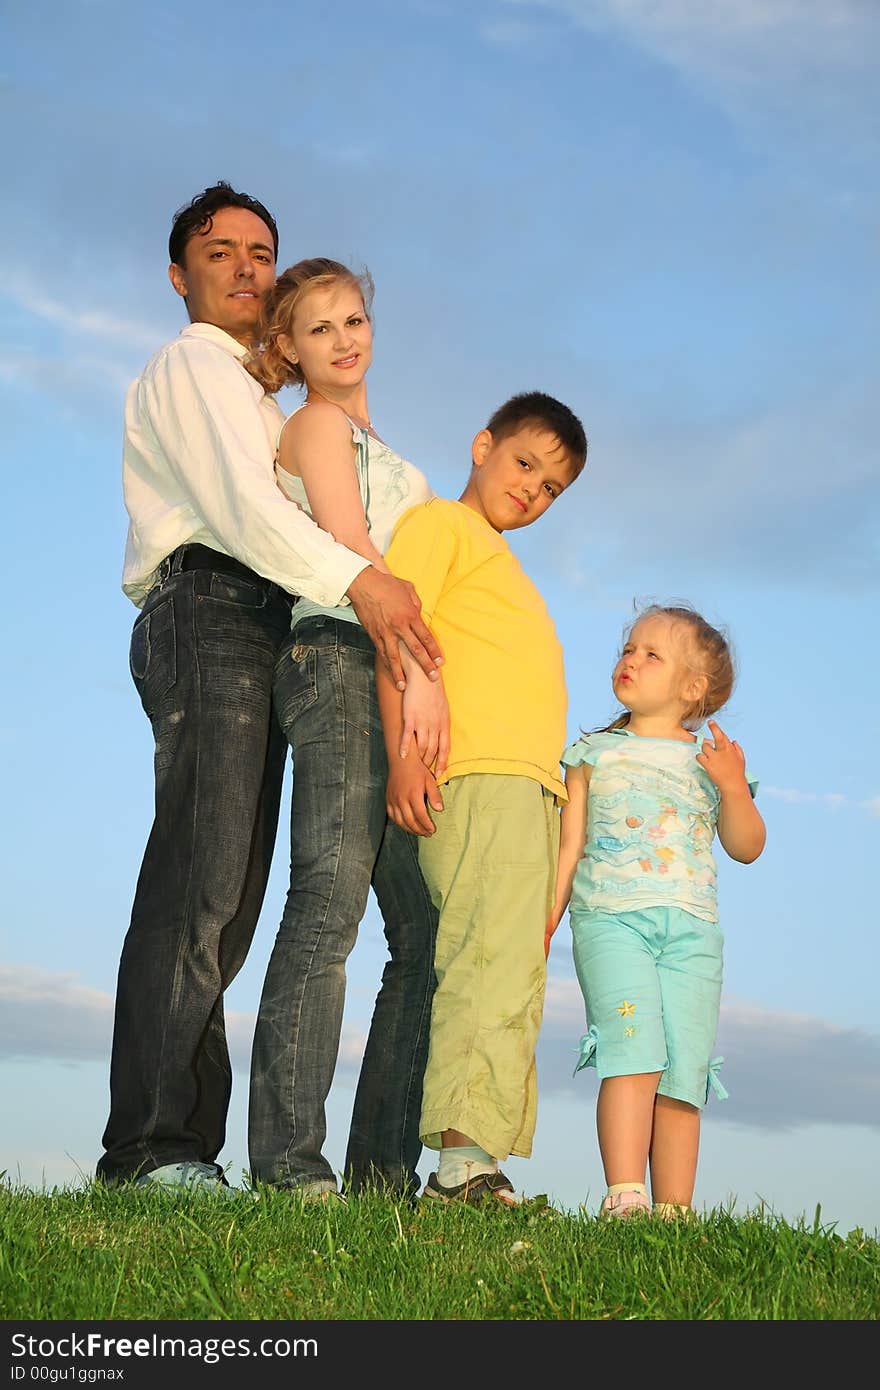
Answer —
203 653
341 843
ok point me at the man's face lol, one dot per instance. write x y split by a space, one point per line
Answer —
227 271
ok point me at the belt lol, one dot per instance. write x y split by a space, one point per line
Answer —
202 557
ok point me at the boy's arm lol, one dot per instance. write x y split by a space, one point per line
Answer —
410 784
741 828
572 837
425 717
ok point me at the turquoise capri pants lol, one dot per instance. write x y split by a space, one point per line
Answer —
651 982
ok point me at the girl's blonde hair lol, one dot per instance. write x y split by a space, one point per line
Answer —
267 362
707 652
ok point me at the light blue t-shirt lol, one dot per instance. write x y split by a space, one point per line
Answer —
652 812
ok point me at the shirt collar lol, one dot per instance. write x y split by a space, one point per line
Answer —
213 334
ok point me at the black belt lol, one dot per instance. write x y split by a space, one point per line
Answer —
202 557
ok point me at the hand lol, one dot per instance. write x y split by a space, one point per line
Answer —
425 718
411 789
390 611
552 924
723 759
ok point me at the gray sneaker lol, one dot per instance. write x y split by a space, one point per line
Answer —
314 1190
184 1178
322 1190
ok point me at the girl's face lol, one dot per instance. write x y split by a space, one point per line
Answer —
652 676
331 338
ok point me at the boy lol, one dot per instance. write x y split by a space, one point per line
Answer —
489 853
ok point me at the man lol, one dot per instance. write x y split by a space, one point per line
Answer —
214 555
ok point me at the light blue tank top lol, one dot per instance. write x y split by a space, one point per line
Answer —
389 486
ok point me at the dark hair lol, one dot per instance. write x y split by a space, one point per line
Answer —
267 362
544 412
196 216
708 653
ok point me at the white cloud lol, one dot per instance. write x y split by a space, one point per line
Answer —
84 323
64 377
751 57
772 1059
831 801
750 40
54 1017
51 1015
774 1068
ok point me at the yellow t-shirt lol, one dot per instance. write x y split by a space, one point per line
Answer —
503 666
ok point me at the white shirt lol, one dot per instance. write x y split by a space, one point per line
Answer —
198 465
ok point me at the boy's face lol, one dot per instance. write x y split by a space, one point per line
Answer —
514 479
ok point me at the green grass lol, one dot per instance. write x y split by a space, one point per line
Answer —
90 1253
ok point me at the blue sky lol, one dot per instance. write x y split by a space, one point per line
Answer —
665 214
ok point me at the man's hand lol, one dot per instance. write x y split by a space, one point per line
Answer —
411 788
389 610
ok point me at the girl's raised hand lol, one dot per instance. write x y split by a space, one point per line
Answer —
723 759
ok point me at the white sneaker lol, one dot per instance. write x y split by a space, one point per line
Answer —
183 1178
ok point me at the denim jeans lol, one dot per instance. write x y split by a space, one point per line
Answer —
341 843
203 652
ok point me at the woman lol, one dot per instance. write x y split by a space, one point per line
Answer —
332 462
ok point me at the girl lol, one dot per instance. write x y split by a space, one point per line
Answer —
646 796
331 462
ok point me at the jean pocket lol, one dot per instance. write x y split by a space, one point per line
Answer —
295 685
229 588
152 656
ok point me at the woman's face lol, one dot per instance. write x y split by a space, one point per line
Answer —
331 337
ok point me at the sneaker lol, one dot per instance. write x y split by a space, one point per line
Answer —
316 1190
321 1191
183 1178
485 1187
629 1203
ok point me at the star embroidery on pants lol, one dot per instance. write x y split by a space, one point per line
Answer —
629 1032
626 1009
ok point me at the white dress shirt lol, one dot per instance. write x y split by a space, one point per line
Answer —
198 466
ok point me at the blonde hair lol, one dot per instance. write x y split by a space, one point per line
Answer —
709 654
267 362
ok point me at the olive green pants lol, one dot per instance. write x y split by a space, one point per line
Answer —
490 868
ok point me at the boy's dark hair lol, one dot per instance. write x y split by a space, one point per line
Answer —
544 412
196 216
